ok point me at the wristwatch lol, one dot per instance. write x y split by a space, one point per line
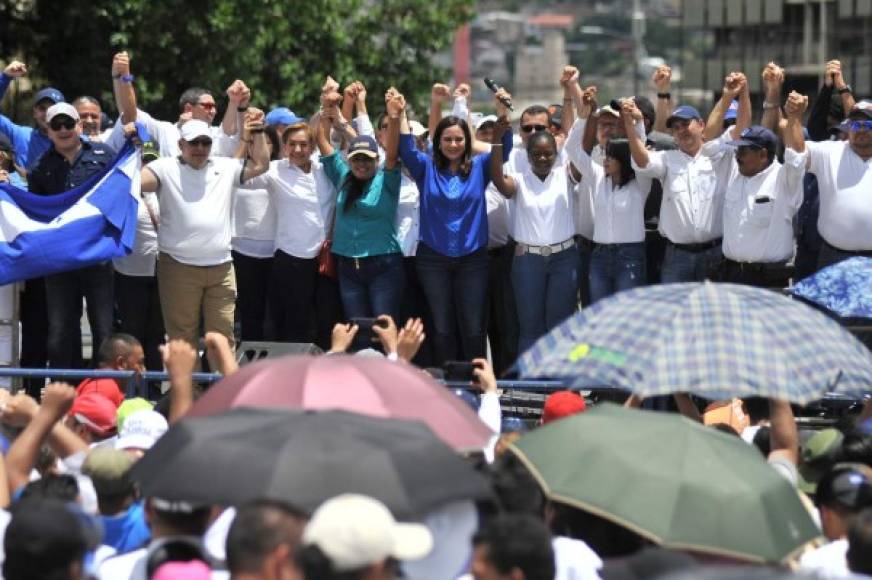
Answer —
845 89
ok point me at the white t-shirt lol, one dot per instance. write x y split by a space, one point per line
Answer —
167 136
408 221
618 213
574 560
195 208
692 210
304 205
845 185
141 260
828 561
254 223
757 230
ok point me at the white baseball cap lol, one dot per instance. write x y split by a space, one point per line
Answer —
417 128
193 129
356 531
61 109
141 430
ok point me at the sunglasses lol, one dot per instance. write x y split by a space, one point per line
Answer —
860 125
532 128
200 143
208 106
65 123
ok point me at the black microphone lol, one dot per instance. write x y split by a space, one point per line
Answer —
494 87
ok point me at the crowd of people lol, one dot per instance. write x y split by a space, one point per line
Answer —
337 230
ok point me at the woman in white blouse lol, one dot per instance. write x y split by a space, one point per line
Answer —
618 259
545 266
303 199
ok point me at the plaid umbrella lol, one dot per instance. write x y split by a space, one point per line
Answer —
714 340
842 288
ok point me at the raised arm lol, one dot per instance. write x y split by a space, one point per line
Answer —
349 98
396 108
783 434
238 98
122 87
256 141
662 79
180 358
438 95
569 80
734 83
588 105
834 72
638 151
794 108
773 80
504 184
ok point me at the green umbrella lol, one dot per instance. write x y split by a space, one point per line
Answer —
671 480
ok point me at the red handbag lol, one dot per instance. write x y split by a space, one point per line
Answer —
326 260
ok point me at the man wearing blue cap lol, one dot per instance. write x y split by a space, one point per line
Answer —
30 143
762 196
691 213
844 175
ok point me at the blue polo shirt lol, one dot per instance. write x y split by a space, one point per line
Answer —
453 209
54 175
28 142
367 227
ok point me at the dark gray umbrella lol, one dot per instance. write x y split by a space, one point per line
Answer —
305 458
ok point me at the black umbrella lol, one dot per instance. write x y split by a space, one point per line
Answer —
305 458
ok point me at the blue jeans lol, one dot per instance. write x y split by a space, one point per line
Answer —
64 293
372 286
616 267
681 265
545 292
456 290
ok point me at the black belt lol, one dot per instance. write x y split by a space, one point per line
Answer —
755 267
700 247
584 242
866 253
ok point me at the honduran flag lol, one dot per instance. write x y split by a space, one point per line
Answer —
47 234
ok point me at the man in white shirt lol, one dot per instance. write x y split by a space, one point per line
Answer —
195 271
691 213
762 196
844 173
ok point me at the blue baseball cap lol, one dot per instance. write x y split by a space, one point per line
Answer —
756 136
363 145
282 116
50 93
685 112
732 111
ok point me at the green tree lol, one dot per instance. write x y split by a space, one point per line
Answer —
281 49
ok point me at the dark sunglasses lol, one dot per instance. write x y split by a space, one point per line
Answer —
208 106
65 123
846 486
200 143
857 125
531 128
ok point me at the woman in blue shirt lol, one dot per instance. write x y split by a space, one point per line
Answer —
452 260
370 260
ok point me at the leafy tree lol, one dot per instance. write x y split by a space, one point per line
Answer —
281 49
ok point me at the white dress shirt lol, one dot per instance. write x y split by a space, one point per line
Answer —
618 212
693 194
304 205
845 185
759 210
543 209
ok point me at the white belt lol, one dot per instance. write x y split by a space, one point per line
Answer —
546 250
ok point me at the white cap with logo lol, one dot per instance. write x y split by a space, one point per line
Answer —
141 430
193 129
356 531
61 109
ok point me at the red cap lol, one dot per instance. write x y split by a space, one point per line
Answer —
96 411
106 387
562 404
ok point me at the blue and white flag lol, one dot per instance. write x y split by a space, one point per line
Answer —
41 235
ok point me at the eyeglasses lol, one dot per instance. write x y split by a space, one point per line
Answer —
63 123
860 125
532 128
200 143
208 106
847 486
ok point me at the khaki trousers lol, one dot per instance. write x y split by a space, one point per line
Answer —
186 291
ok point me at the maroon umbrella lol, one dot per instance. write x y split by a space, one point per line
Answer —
369 386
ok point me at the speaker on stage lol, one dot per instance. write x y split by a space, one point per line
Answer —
253 351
